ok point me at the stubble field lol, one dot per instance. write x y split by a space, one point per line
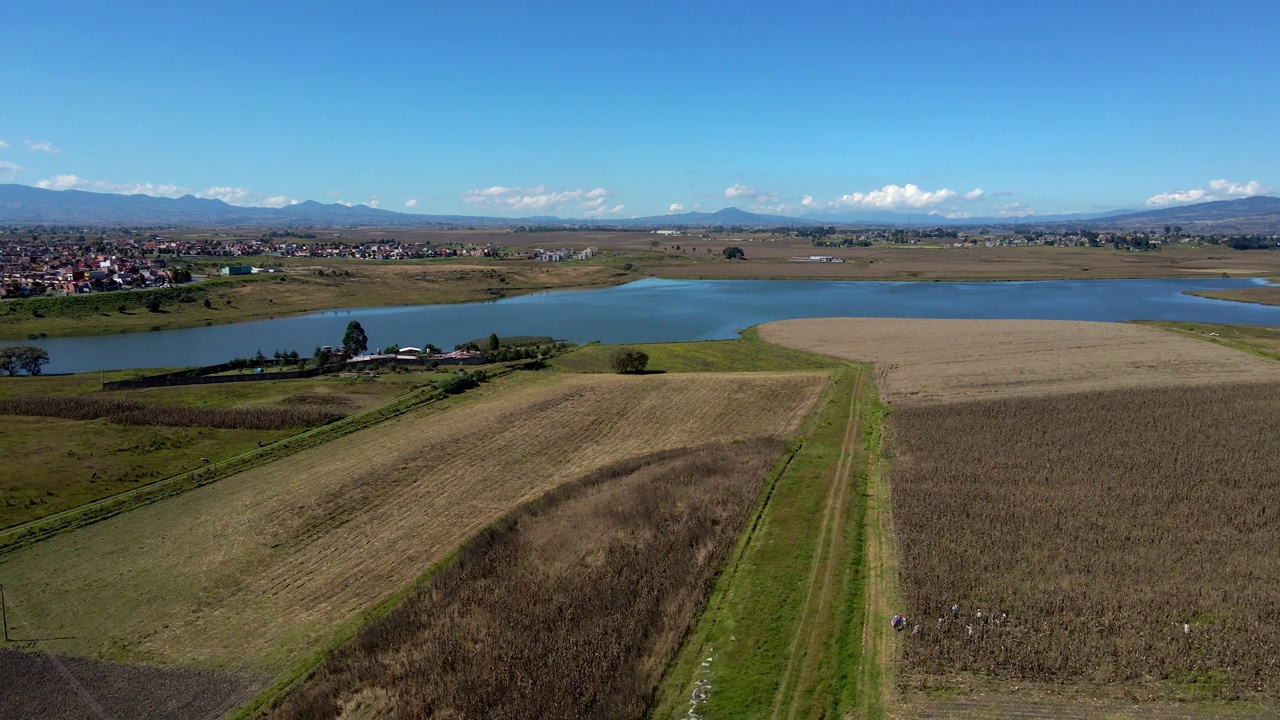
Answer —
259 570
570 607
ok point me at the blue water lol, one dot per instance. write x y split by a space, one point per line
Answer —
655 310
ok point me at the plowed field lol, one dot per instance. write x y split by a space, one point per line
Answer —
261 569
934 361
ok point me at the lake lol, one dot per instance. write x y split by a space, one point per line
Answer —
656 310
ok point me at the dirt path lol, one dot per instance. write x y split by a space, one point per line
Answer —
808 650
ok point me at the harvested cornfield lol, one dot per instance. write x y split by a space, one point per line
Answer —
259 570
931 361
132 412
570 607
1124 538
38 686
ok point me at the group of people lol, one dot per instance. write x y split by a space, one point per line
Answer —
900 622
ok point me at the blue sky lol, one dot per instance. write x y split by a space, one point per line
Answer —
623 109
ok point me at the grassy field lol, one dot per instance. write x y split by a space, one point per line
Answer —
1259 340
746 354
1262 295
782 634
260 570
84 460
306 286
570 607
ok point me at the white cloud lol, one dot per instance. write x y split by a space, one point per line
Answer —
278 201
1217 190
539 199
738 190
344 203
958 215
62 182
1015 209
893 197
42 147
675 208
4 145
334 193
228 195
8 168
411 203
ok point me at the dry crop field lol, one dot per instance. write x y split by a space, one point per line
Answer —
570 607
1104 495
934 361
1121 536
260 570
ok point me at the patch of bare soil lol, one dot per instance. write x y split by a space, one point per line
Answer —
39 686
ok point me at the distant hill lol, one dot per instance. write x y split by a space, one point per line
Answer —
727 216
26 204
1252 214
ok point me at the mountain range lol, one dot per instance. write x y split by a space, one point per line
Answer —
26 204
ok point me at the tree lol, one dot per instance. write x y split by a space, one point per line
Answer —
153 304
9 360
25 357
628 360
734 252
322 355
431 349
355 341
494 343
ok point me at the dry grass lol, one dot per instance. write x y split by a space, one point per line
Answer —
571 607
131 412
1263 295
1129 535
933 361
260 569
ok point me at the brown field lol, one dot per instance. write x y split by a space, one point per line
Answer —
1105 486
132 412
38 686
1129 535
261 569
569 608
933 361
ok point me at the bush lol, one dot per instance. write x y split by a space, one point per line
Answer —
628 360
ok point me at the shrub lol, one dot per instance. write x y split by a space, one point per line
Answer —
628 360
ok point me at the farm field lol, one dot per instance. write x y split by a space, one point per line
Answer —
86 455
1051 530
259 571
570 607
1257 339
1045 500
933 361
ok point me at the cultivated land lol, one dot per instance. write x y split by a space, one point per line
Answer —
1045 499
745 354
934 361
569 608
82 460
259 571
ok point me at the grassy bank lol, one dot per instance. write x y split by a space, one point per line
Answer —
745 354
307 285
782 634
1254 339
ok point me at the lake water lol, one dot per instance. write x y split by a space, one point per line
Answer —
655 310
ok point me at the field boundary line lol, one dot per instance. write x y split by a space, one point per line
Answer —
34 531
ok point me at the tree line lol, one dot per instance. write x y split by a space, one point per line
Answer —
23 358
